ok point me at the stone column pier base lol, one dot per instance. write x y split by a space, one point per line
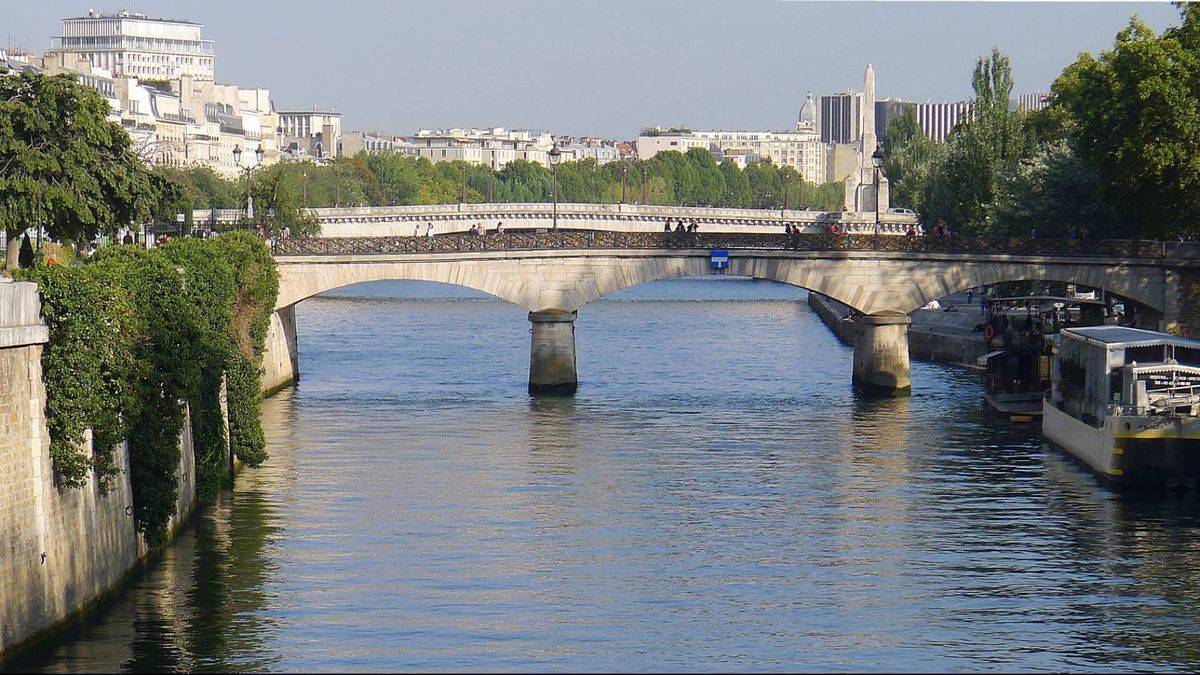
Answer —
881 353
552 353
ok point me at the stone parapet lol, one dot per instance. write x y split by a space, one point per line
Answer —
20 316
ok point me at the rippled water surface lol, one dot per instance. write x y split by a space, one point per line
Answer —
715 497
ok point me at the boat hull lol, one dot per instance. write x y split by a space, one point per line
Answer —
1130 449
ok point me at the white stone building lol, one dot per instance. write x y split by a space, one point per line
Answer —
494 147
129 44
800 148
311 133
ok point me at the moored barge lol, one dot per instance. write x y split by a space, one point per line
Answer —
1126 402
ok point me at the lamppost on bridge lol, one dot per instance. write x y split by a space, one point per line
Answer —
645 183
492 179
555 156
237 159
877 160
783 180
624 182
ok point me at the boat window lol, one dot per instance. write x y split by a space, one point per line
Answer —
1188 356
1151 354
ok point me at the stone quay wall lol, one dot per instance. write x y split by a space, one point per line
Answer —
61 549
924 340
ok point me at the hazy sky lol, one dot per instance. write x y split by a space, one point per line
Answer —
608 67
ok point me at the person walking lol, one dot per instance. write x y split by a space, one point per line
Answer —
416 229
499 226
667 227
429 230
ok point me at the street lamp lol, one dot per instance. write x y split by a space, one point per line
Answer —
783 181
555 156
877 160
624 182
237 159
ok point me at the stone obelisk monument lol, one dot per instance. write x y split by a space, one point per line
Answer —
860 185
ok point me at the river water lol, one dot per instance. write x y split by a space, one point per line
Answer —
715 497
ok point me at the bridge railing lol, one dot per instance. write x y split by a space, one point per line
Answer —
574 239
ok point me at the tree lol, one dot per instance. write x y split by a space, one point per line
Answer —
1132 113
63 165
710 181
911 160
765 189
737 187
981 153
1056 191
278 202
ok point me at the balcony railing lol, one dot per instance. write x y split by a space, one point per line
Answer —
579 239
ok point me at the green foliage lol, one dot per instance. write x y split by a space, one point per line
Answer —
134 335
209 292
911 161
164 357
202 188
256 284
981 153
1056 192
1132 114
283 191
1114 155
279 202
87 366
63 164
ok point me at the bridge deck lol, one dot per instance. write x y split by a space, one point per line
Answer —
576 240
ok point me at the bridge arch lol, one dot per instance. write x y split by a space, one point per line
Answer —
1131 282
299 282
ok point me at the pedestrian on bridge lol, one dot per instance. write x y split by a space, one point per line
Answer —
416 229
667 227
499 226
429 230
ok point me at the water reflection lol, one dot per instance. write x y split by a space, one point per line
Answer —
716 497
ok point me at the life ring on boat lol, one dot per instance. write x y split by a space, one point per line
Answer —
989 332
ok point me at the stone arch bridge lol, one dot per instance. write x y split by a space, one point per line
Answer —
884 279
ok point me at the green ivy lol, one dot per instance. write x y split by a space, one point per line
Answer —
86 366
134 336
257 286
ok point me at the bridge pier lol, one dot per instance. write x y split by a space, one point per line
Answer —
881 353
281 356
552 353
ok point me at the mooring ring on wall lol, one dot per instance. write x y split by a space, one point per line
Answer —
129 510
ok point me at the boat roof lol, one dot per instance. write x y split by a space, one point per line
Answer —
1048 298
1122 336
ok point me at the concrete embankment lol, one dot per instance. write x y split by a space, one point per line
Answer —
61 549
934 335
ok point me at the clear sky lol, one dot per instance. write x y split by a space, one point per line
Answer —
608 67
